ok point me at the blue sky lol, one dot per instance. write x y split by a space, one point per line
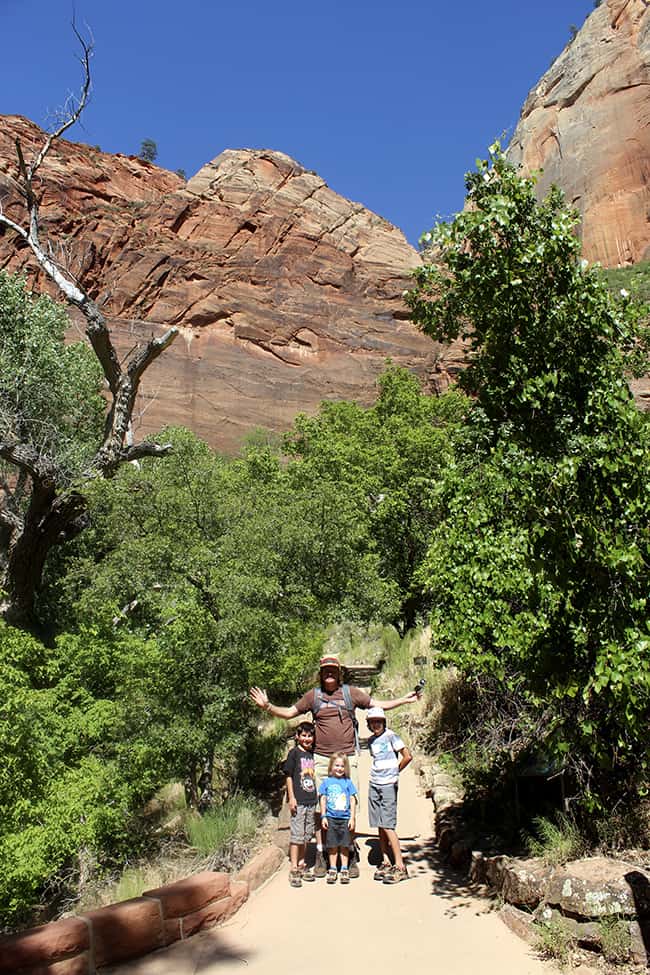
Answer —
390 102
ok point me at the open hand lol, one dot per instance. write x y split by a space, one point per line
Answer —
259 697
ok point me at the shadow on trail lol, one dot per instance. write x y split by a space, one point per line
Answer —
422 856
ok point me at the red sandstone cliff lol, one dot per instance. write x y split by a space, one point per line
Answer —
587 124
284 292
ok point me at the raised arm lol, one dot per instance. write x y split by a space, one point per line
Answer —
260 698
395 702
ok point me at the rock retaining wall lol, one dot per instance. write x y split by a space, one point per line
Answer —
110 935
580 893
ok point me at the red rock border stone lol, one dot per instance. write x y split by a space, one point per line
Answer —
83 945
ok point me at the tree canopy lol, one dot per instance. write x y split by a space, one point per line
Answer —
539 570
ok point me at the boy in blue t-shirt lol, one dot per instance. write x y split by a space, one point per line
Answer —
338 804
389 756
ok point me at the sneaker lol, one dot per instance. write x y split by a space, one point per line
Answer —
294 878
331 876
320 867
308 876
345 875
396 874
382 870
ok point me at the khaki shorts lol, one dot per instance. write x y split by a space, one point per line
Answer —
321 763
301 827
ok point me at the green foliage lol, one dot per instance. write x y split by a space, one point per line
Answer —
391 456
235 821
557 841
49 391
635 280
555 940
538 567
615 939
148 150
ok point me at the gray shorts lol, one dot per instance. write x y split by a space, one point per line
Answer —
382 805
301 827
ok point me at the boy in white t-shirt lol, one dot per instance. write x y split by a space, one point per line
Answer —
389 756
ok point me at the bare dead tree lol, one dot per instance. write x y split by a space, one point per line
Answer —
51 512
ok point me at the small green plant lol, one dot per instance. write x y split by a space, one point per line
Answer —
555 940
615 939
559 841
235 821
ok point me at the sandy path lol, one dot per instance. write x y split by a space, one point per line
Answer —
430 923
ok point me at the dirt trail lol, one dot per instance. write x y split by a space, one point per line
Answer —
432 922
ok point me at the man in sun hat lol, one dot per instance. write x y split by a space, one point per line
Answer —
332 706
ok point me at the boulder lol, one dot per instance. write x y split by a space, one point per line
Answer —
599 886
524 882
520 922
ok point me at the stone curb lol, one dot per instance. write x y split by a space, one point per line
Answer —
85 944
580 893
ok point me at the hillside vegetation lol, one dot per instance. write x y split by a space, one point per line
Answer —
510 515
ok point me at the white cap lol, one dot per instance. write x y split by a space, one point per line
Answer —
375 713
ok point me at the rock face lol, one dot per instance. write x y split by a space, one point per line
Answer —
285 293
587 124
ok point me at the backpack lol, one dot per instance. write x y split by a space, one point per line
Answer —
348 705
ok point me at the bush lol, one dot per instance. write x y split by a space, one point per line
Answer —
557 842
220 831
554 939
615 939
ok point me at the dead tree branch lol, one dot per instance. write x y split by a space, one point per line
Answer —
53 513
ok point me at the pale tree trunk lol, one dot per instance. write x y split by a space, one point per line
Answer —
48 514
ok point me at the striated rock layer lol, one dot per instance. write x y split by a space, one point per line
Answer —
285 293
587 124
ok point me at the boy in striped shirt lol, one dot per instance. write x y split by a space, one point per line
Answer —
389 756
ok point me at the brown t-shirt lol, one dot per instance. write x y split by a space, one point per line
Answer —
334 728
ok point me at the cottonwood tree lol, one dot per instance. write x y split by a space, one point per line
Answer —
40 504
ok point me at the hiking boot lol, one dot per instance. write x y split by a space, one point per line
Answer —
382 870
294 878
308 875
331 876
396 874
354 864
345 875
320 867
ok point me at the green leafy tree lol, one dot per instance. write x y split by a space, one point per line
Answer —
232 569
391 456
538 571
148 150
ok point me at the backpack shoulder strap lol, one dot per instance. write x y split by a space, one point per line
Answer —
349 705
347 697
318 701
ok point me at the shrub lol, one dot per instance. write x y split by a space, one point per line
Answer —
615 939
558 841
555 940
220 829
